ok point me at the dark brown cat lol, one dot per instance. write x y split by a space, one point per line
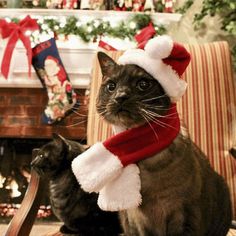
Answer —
181 194
75 208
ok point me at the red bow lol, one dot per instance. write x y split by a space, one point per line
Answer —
14 32
145 34
106 46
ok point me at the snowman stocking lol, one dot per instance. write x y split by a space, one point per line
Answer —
50 70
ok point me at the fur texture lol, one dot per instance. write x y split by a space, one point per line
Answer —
182 194
75 208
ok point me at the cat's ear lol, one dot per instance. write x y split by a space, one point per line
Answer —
60 139
107 64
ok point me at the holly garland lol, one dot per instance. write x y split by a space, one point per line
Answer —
91 31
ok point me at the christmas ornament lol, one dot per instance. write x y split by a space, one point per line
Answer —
138 5
109 167
96 4
54 3
168 5
35 3
51 72
85 4
70 4
15 32
149 6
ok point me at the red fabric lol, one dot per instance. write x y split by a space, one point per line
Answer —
71 5
142 142
106 46
14 32
178 59
145 34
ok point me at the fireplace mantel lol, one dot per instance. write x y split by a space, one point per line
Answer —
76 55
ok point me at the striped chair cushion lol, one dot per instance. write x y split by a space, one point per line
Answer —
208 109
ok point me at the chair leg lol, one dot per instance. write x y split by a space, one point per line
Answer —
22 222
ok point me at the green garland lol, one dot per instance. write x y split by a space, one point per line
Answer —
92 30
226 9
187 4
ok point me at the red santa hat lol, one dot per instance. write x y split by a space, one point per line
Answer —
165 60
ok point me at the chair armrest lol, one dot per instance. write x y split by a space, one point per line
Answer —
22 222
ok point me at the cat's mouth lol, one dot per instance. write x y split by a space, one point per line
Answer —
123 116
122 111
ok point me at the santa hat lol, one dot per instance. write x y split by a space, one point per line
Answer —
165 60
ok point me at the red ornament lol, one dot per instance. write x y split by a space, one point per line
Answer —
168 6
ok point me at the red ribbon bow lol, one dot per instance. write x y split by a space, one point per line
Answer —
145 34
106 46
14 32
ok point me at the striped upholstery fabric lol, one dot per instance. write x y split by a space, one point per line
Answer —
208 109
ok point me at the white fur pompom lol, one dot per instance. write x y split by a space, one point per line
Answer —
159 47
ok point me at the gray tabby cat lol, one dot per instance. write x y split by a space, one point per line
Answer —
181 194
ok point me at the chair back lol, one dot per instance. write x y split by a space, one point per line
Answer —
208 109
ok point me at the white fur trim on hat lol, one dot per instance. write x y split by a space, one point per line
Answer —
164 74
95 167
122 192
159 47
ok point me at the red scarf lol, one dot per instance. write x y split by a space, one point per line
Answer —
145 141
106 167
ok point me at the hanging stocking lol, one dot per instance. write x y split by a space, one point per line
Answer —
50 70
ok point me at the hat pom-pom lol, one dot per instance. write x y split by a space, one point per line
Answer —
159 47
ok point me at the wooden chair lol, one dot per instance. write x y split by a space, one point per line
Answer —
208 109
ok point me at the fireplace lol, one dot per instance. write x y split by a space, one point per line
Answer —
22 130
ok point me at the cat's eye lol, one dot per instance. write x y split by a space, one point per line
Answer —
143 84
111 86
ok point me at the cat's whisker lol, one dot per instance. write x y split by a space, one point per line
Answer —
75 124
79 114
158 107
102 113
153 98
156 135
161 123
151 118
169 116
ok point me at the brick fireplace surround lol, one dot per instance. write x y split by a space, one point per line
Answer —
21 110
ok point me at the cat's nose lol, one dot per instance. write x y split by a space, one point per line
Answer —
121 97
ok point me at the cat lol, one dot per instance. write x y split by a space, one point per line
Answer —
181 194
71 205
